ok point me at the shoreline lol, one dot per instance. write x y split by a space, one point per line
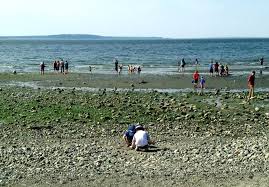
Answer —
173 83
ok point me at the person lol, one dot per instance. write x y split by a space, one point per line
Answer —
141 139
62 66
58 66
55 65
182 65
216 68
202 85
42 68
226 69
251 83
90 69
129 134
116 65
139 70
66 66
120 69
195 79
196 64
222 71
211 70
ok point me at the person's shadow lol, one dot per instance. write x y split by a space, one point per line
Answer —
152 149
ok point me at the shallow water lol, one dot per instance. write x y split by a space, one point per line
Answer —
155 56
34 85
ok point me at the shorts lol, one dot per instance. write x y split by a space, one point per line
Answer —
250 86
196 81
211 70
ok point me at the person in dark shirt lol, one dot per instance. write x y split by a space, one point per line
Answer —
251 84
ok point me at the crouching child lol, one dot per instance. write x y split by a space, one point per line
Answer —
141 139
129 134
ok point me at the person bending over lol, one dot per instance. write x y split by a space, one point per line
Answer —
141 139
129 134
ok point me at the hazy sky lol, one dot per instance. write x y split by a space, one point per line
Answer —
166 18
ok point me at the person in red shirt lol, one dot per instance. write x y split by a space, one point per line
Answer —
251 84
195 77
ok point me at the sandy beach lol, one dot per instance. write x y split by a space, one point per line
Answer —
54 135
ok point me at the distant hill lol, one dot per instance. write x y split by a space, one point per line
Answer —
76 37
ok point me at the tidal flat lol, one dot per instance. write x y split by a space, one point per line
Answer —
69 137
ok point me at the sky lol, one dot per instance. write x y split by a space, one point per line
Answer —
160 18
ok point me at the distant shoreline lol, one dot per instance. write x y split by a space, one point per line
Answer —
99 37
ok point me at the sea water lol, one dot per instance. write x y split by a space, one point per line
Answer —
154 56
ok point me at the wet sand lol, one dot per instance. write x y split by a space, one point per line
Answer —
179 81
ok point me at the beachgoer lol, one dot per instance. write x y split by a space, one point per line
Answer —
196 64
42 68
141 139
195 79
211 68
139 70
226 68
222 71
129 134
120 69
216 68
55 65
182 65
90 69
58 66
116 64
251 84
62 66
66 66
202 85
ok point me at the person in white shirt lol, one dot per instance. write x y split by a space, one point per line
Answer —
141 139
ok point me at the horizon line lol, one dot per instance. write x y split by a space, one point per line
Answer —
160 37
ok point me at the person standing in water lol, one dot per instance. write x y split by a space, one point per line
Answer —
251 84
42 68
211 68
139 70
196 64
55 65
62 66
66 66
182 65
216 68
116 65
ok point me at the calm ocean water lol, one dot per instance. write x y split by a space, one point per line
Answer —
155 56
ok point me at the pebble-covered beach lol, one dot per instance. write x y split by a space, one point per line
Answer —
68 137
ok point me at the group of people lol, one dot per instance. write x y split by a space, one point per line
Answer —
136 137
219 69
198 82
131 68
58 66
